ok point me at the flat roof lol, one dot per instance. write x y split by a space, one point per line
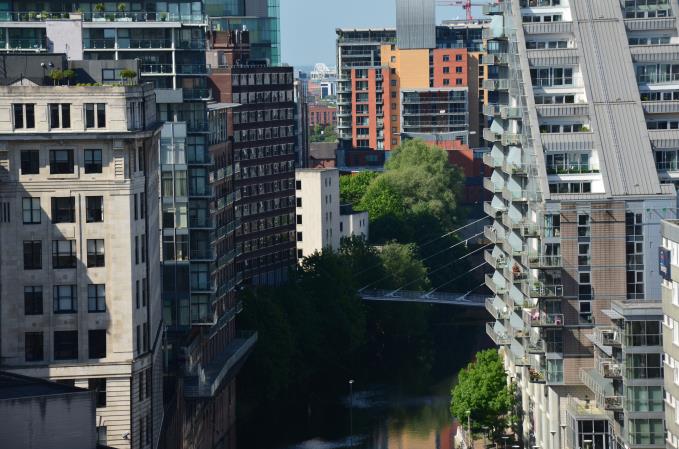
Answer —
14 386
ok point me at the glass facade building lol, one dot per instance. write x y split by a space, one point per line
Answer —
260 17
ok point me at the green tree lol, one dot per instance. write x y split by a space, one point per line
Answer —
353 187
404 269
482 389
426 181
323 133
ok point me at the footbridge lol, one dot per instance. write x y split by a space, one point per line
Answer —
455 299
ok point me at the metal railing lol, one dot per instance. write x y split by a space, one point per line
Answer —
500 340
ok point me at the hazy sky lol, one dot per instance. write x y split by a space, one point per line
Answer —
308 26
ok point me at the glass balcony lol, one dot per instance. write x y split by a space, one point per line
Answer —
491 110
192 69
530 230
610 369
498 334
490 234
511 113
498 263
156 69
538 318
493 9
544 262
491 161
497 284
99 44
539 290
491 136
197 94
489 185
497 308
496 85
137 44
536 346
26 44
495 59
117 16
571 169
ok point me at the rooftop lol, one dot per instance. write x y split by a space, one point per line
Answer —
14 386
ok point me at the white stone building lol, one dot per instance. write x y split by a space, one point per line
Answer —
320 221
79 248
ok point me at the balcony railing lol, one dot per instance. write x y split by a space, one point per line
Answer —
99 44
498 290
156 69
500 340
536 347
137 44
489 185
540 290
490 233
197 94
613 402
497 263
611 370
498 314
541 261
496 84
192 69
117 16
538 318
571 169
490 161
26 44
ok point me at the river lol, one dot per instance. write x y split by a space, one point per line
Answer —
392 415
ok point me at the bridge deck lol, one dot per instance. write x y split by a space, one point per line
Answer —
457 299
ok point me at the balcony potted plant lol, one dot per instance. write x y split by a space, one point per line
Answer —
163 16
98 16
128 75
123 17
68 74
56 75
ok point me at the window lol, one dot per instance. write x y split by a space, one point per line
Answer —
552 76
143 248
646 432
584 254
142 205
95 253
95 209
24 116
97 343
299 219
63 254
446 58
446 82
93 161
31 210
298 185
644 366
299 236
446 70
33 300
32 254
30 162
96 298
583 225
95 115
63 209
458 69
60 115
644 398
643 333
99 387
102 439
65 299
65 345
458 81
61 162
34 350
136 292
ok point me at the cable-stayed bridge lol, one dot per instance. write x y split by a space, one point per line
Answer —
454 299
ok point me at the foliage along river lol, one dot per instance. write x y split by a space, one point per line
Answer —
393 414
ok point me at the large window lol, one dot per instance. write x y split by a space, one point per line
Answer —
34 350
95 209
95 253
646 431
95 115
96 298
65 299
643 333
33 300
65 345
553 76
32 254
30 162
647 9
644 366
98 385
61 162
657 73
644 399
93 162
60 115
24 116
97 344
63 254
31 210
63 209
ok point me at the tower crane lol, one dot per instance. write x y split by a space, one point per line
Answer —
465 4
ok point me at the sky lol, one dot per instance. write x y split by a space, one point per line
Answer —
308 26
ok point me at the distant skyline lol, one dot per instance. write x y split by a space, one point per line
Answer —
308 26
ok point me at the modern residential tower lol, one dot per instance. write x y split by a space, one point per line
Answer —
579 108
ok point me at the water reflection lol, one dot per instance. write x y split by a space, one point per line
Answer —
386 420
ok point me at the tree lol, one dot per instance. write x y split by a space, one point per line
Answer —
353 187
382 201
482 389
56 75
323 133
426 181
128 75
404 269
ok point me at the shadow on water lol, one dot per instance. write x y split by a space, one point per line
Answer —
400 411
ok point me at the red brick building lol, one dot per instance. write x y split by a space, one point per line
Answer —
322 114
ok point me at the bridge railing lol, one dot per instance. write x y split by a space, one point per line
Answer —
420 296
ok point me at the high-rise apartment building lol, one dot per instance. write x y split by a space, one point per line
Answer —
668 265
261 18
577 93
80 299
264 140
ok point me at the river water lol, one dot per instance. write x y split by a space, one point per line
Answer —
391 416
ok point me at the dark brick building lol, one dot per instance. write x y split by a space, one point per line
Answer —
263 133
